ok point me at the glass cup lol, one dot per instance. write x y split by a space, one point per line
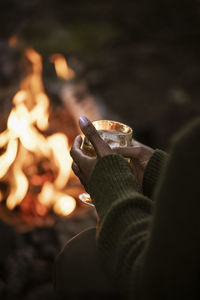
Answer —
114 133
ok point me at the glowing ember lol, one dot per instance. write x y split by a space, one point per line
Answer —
24 146
61 67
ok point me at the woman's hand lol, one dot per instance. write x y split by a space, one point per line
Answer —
83 165
139 155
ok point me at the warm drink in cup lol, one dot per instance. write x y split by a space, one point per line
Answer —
114 133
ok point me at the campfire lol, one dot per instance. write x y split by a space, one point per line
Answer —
39 210
35 167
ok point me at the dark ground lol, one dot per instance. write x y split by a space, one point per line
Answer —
140 60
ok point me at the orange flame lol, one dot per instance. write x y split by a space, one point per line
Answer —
13 41
25 145
62 69
64 205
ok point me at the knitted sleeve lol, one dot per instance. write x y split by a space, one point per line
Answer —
151 256
124 217
171 266
153 171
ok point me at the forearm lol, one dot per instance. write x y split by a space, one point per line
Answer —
124 218
153 172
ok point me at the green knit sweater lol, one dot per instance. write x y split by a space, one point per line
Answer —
150 241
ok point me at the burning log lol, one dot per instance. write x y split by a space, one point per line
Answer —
78 102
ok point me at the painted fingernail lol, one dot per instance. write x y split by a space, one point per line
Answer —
83 121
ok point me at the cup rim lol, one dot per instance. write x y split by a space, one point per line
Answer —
128 129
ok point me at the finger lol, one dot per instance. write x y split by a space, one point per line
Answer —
78 141
77 172
77 154
101 147
75 169
76 151
132 152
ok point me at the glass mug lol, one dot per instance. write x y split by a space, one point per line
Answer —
114 133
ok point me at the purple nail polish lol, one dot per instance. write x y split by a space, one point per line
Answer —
83 121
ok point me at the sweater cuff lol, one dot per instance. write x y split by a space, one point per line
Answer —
112 179
153 171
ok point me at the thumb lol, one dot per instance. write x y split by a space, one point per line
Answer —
101 147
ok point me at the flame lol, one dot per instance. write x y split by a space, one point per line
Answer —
64 205
62 69
13 41
19 186
47 194
35 58
40 112
58 143
25 145
8 157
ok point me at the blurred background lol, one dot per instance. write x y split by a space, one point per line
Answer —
140 59
137 62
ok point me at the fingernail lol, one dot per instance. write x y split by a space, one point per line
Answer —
83 121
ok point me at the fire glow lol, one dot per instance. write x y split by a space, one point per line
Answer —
62 69
25 147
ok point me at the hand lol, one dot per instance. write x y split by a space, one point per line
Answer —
139 155
83 165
